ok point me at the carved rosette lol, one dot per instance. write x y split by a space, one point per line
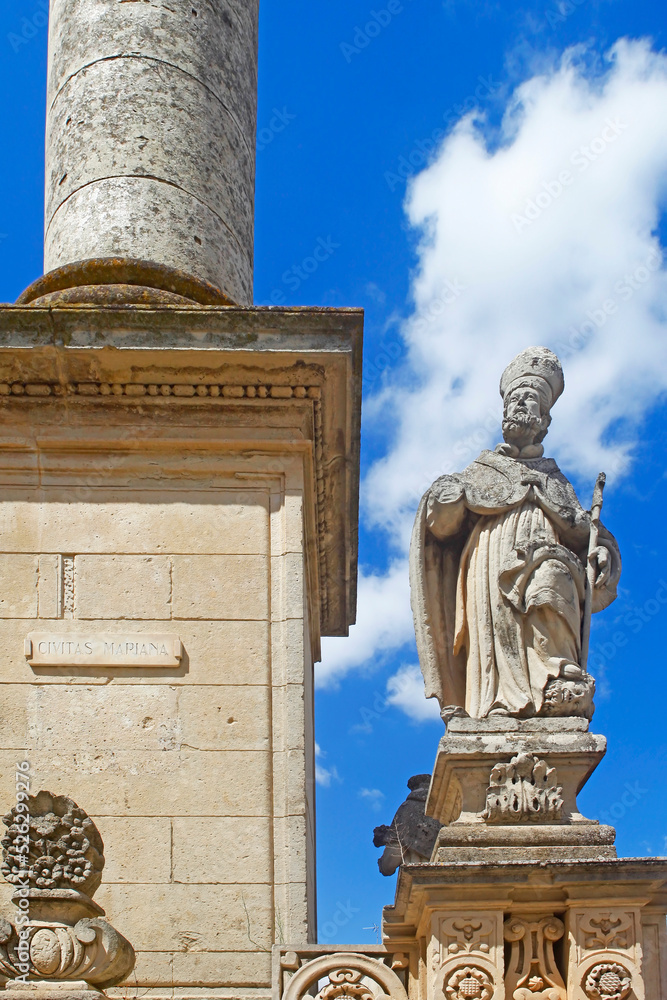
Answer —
607 981
53 854
523 791
469 983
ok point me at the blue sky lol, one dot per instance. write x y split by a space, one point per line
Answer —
347 112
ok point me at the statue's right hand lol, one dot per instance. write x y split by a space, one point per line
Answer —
447 489
446 508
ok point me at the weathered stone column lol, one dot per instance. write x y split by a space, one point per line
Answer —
150 141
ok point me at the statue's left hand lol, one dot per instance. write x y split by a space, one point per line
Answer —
600 559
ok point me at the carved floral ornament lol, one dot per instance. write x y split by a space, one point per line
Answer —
536 989
607 929
523 791
53 855
607 981
64 847
469 983
345 983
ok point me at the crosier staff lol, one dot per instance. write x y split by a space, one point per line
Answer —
596 510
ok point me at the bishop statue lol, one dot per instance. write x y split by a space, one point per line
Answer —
500 559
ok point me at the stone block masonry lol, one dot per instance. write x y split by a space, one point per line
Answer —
220 523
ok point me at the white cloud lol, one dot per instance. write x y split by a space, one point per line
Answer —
373 796
405 690
544 233
384 622
586 160
324 775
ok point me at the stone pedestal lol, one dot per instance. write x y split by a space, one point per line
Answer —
178 514
550 930
524 897
507 788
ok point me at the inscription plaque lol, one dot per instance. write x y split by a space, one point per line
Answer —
121 649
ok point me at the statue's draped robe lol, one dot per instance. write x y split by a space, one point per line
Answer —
497 580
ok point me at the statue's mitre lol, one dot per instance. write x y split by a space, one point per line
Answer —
537 367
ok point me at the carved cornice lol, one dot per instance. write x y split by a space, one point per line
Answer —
176 390
228 361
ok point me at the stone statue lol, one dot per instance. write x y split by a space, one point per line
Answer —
497 569
411 836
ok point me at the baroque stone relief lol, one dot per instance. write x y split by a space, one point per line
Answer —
343 974
53 855
345 983
536 990
607 981
469 983
531 968
55 846
468 934
501 593
523 791
605 952
467 954
607 929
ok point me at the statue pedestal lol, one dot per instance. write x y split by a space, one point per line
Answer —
506 788
524 898
517 930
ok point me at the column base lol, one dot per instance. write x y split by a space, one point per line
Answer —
120 281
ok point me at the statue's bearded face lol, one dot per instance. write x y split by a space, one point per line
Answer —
524 423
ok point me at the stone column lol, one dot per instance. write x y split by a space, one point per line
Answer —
150 140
